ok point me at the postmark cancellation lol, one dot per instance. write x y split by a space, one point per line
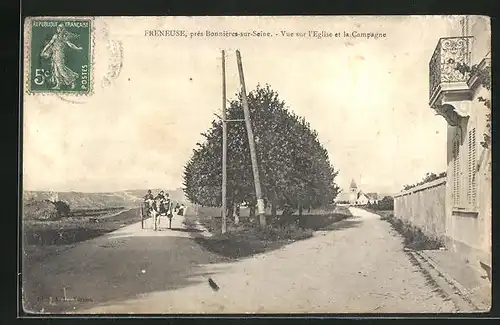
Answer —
59 55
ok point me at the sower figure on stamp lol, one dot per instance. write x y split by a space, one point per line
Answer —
55 50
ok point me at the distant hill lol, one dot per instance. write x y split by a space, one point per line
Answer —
176 195
82 200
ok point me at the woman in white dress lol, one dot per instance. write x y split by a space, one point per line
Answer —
55 50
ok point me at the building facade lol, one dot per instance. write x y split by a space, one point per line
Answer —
355 196
457 95
353 192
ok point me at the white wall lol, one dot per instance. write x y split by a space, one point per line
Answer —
469 233
424 207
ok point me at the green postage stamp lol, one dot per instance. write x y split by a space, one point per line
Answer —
60 55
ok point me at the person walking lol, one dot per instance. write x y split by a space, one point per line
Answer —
148 196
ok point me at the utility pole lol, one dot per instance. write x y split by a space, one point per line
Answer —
224 146
251 144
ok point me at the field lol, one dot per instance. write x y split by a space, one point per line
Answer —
42 238
95 212
247 238
91 215
83 200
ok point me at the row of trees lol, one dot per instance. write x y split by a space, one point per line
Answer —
294 167
429 177
387 203
46 209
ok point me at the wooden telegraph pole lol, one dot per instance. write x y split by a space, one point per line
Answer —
225 121
251 143
224 145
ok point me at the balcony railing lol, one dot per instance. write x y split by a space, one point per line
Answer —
450 52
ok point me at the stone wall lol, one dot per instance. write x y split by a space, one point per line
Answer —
424 207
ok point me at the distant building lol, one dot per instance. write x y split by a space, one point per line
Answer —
353 192
355 196
372 198
362 199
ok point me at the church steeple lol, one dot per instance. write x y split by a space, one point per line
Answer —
353 192
353 184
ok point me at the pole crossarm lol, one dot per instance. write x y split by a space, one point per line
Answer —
226 120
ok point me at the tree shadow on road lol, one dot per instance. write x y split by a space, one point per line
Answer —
238 248
241 244
119 269
326 222
189 230
344 224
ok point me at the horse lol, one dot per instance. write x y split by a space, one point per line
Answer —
162 208
155 208
148 204
148 210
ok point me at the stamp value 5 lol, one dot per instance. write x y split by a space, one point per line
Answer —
60 56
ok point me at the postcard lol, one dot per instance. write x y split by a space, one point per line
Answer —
256 165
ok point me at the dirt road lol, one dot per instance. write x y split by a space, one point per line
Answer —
116 266
358 268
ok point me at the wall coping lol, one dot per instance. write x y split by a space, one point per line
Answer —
422 187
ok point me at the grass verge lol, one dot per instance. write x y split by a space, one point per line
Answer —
414 237
43 238
247 238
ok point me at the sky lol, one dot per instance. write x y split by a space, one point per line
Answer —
367 98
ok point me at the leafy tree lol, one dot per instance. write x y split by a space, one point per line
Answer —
294 167
484 76
63 209
40 210
387 203
429 177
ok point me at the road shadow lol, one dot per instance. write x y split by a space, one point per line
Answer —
322 222
190 230
115 270
236 249
242 243
344 224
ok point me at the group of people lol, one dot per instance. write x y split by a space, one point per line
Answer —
164 200
161 196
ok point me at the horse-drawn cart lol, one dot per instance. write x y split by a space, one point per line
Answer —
154 210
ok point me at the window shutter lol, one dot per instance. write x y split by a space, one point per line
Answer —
456 172
471 164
